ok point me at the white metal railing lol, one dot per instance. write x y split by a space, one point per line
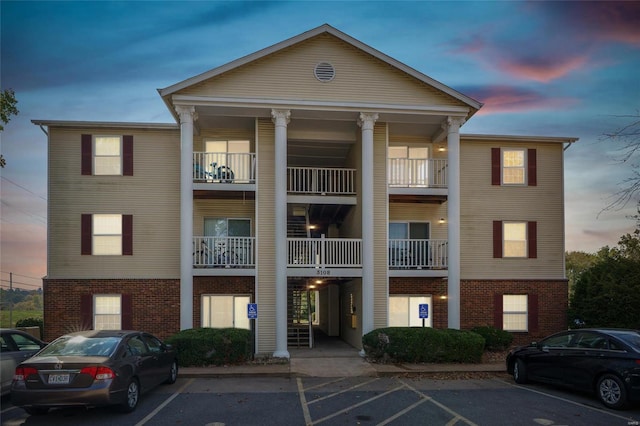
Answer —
224 167
223 252
324 252
411 173
417 254
318 180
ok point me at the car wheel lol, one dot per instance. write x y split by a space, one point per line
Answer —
520 372
611 391
133 395
173 373
36 411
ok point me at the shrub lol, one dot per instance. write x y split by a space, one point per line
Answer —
418 344
494 339
211 346
32 322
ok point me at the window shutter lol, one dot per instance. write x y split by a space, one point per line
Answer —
532 238
127 235
497 311
497 239
531 166
127 158
495 166
86 312
533 312
85 234
86 155
127 312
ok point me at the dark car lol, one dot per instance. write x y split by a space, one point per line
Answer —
15 347
93 368
605 361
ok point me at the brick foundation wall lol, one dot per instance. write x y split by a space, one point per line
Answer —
219 285
477 299
156 304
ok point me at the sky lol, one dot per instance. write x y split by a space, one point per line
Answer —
569 69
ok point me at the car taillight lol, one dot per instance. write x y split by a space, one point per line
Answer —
638 361
23 372
98 372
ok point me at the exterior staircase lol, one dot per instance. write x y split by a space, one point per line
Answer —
299 324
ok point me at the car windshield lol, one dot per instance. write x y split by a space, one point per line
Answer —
82 346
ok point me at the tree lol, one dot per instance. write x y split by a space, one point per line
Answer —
7 109
576 262
608 293
628 139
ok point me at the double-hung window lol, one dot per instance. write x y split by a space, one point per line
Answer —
514 166
107 312
515 312
107 234
107 155
515 239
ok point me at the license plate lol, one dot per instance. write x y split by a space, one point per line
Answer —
58 379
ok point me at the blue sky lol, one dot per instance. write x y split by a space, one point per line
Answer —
540 68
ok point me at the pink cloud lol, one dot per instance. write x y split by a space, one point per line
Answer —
542 71
505 99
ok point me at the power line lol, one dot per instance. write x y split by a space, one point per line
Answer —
22 187
20 275
20 283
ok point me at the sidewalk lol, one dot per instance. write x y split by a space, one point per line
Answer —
334 367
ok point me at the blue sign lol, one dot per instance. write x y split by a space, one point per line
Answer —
252 310
424 310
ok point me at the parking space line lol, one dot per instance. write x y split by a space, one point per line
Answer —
402 413
455 415
164 404
342 391
321 385
347 409
303 403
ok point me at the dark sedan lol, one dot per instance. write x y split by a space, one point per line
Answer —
15 347
93 368
605 361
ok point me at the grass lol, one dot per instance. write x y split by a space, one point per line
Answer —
16 316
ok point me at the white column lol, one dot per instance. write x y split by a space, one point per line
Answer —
187 116
367 122
453 220
281 119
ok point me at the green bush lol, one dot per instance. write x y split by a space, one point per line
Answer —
494 339
423 344
32 322
212 346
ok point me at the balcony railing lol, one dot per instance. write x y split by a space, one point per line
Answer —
223 167
417 254
324 252
223 252
417 173
325 181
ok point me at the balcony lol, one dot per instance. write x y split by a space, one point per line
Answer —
324 252
224 252
409 254
417 173
320 181
223 167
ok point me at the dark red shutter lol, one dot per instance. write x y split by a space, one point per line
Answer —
127 235
86 312
85 234
497 239
495 166
533 313
126 306
87 155
127 157
532 236
532 168
497 311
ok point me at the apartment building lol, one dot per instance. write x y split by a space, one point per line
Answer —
322 181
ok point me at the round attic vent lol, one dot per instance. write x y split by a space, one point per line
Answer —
324 71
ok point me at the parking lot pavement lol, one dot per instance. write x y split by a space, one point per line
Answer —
345 400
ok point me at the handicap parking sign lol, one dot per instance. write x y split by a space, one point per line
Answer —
252 310
424 310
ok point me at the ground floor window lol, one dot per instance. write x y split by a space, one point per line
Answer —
224 311
107 312
404 311
514 312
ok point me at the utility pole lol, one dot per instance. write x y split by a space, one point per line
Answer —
10 302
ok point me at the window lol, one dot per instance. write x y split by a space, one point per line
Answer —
222 311
408 166
108 155
514 315
513 167
107 312
513 239
106 234
232 155
404 311
408 244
